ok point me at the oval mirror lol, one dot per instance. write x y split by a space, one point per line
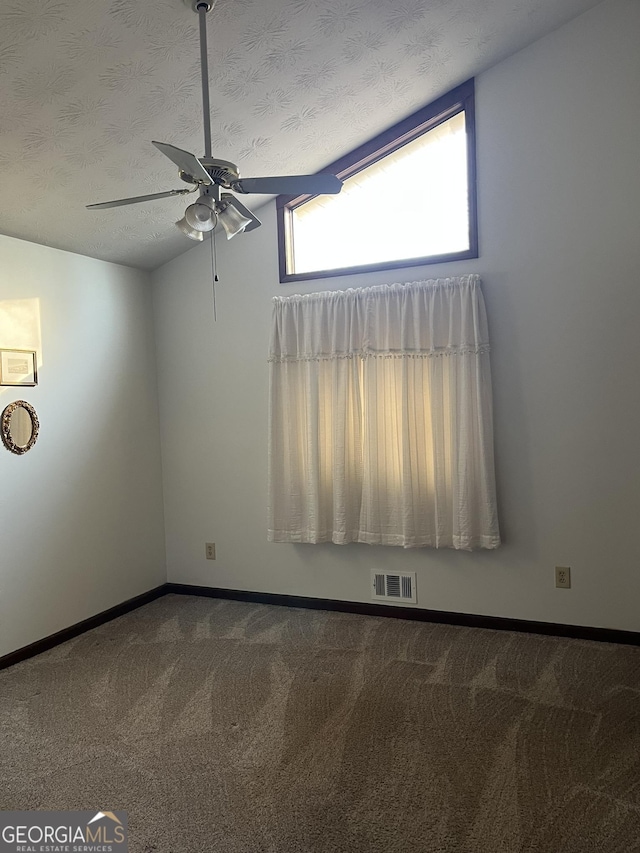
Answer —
20 427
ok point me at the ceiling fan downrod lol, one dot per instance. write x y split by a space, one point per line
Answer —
202 7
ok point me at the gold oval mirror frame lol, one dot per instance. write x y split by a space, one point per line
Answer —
20 427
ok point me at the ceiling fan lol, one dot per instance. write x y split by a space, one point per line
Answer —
209 175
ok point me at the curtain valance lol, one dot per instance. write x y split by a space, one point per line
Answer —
420 318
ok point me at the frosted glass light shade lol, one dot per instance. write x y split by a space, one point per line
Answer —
200 217
232 220
188 231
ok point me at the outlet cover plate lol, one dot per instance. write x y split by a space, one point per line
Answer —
210 550
563 577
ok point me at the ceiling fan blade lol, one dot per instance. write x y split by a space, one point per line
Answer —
137 199
290 185
255 222
185 161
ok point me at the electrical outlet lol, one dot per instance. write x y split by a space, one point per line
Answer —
563 577
210 550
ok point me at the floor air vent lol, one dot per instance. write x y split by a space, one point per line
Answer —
394 587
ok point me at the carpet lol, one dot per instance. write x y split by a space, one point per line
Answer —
241 728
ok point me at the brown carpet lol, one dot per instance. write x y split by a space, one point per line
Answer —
238 728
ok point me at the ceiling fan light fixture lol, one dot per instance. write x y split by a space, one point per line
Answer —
231 219
188 231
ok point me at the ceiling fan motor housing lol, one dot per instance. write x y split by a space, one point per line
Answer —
222 172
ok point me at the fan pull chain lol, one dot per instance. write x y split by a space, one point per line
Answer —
214 274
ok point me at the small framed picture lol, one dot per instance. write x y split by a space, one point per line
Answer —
18 367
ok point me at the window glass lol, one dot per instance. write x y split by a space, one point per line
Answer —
411 203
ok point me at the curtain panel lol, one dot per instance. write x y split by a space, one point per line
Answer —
381 417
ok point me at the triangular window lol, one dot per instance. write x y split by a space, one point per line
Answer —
408 198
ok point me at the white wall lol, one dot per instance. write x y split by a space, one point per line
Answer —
559 189
81 526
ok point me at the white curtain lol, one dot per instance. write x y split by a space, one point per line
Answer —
380 417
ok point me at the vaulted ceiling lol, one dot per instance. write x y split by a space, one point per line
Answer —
85 85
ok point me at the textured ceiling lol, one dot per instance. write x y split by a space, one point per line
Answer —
85 85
